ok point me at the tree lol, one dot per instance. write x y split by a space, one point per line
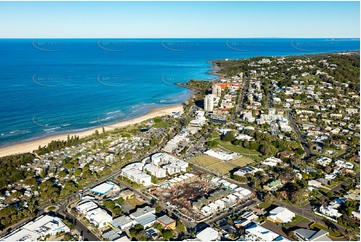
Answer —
268 150
158 209
117 210
78 171
158 226
229 136
133 232
268 198
157 119
348 207
211 144
46 185
180 226
109 204
168 234
70 186
62 173
328 169
241 179
31 181
299 196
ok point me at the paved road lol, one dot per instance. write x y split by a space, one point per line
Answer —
299 135
239 105
306 211
85 233
136 191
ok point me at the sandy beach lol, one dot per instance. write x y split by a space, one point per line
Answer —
34 144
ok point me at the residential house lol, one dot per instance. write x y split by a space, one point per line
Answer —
273 186
311 235
281 215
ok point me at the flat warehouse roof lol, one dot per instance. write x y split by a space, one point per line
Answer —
102 188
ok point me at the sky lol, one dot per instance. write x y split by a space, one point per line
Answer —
179 19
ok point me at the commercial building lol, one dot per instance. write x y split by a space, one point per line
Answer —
167 222
123 223
256 232
208 234
105 188
114 235
98 217
141 212
221 155
38 229
147 220
85 206
126 194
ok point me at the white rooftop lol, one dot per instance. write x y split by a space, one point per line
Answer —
208 234
103 188
33 230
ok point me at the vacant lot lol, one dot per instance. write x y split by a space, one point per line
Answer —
134 202
242 161
219 166
204 160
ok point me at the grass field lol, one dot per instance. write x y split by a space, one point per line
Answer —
241 161
161 125
219 166
264 205
205 160
255 155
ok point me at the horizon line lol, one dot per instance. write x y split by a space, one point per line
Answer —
358 38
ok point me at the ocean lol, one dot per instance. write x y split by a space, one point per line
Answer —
53 86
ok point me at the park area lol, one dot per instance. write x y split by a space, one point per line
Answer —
218 166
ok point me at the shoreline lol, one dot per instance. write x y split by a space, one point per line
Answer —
29 146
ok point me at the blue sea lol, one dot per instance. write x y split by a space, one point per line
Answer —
52 86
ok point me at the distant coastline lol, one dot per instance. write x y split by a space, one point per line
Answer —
29 146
